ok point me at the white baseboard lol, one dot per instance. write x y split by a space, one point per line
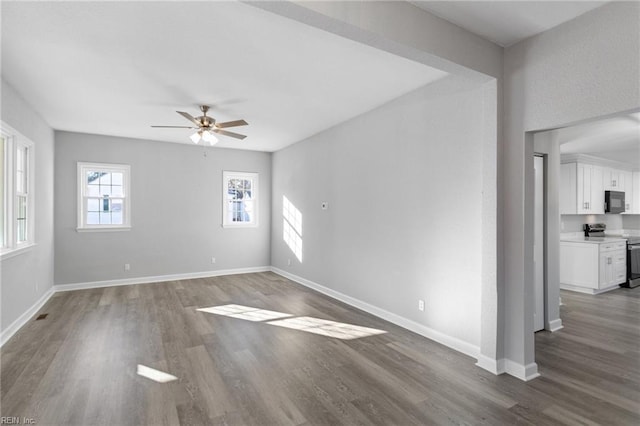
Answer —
24 318
522 372
8 332
495 366
586 290
159 278
555 325
452 342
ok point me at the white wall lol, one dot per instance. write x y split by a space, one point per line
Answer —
176 196
631 221
26 277
405 30
574 222
583 69
404 187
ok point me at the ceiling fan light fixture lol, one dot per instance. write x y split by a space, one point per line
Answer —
196 137
208 137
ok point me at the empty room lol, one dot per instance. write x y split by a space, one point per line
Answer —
335 213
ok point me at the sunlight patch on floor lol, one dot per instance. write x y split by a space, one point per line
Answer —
155 375
327 328
319 326
245 312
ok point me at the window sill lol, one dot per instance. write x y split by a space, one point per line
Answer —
231 226
9 253
110 229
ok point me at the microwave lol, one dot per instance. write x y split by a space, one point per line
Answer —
613 201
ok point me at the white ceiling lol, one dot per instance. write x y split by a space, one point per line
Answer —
616 138
116 68
508 22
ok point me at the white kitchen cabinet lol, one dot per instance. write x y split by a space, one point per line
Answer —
589 267
613 265
568 188
635 191
619 180
581 189
612 179
626 181
579 266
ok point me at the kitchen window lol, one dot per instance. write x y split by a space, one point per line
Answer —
103 197
239 199
16 192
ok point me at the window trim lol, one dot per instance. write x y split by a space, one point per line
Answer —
254 176
125 169
14 140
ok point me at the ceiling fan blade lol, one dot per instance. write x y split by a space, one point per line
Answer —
231 124
230 134
189 117
176 127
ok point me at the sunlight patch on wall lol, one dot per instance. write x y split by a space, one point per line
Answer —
319 326
292 227
244 312
155 375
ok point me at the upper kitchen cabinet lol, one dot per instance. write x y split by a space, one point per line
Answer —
619 180
611 143
627 180
635 191
613 179
581 189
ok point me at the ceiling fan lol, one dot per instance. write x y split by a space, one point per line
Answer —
206 126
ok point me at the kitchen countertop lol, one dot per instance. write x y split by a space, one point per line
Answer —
593 240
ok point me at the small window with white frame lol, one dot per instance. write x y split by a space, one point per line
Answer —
239 199
17 221
104 202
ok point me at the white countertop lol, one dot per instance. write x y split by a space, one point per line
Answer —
593 240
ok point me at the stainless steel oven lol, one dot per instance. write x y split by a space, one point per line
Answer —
633 262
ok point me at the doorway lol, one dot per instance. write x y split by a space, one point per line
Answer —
539 242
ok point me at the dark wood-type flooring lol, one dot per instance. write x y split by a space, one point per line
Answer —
78 366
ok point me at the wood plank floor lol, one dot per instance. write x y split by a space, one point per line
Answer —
79 365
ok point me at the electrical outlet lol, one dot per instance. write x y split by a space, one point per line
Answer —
288 262
213 260
127 267
421 305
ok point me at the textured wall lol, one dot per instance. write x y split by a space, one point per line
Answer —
404 187
583 69
27 277
176 211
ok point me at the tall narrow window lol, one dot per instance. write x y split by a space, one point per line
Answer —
2 202
239 199
22 193
16 192
103 196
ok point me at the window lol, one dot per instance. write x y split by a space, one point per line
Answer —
16 191
103 197
240 199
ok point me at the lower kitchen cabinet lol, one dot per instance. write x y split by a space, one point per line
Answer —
613 265
590 267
